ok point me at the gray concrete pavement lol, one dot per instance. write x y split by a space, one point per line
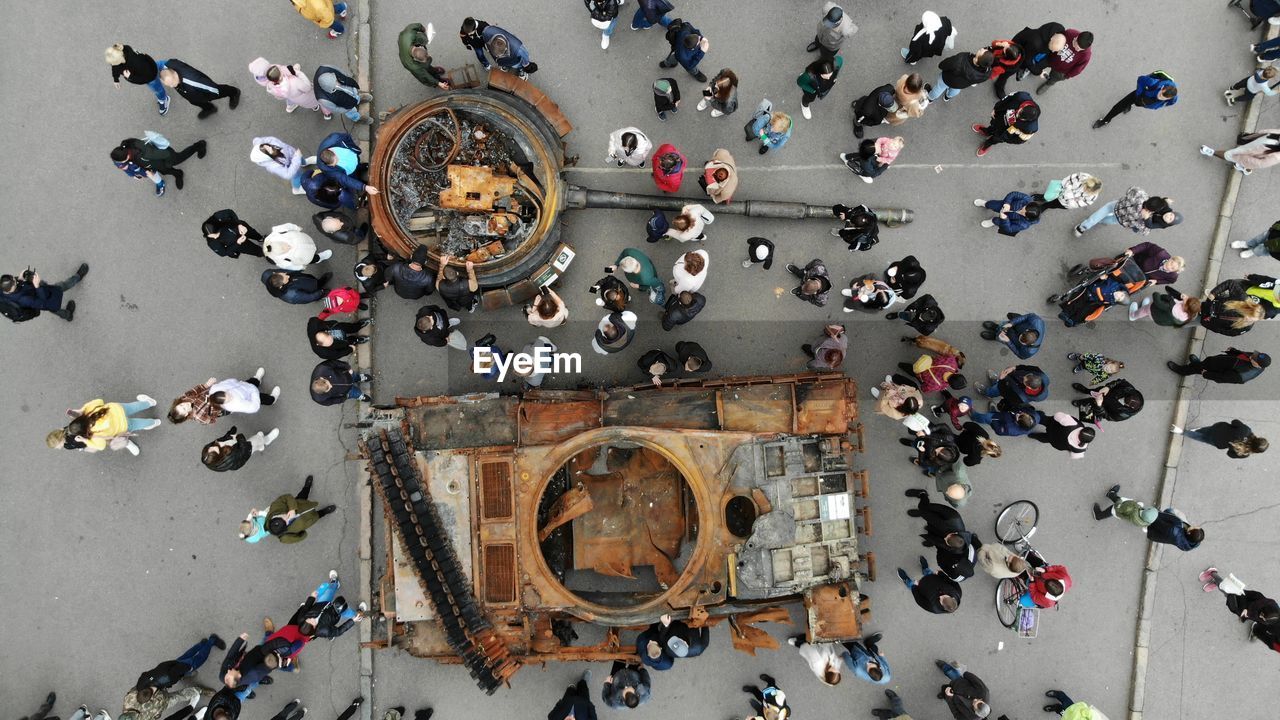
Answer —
122 594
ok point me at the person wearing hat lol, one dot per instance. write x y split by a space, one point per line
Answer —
415 57
627 686
874 109
769 703
834 27
338 92
759 252
287 517
932 34
1233 367
873 157
966 695
666 98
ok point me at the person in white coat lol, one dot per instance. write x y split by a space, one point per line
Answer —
291 249
629 146
280 159
690 272
691 223
825 658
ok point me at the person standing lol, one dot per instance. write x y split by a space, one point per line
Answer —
459 294
291 249
933 592
1235 437
338 157
945 531
932 35
228 236
286 82
1038 46
280 159
923 315
966 695
416 58
1018 385
998 561
692 358
548 310
1154 91
823 658
613 293
830 350
912 98
331 339
960 71
668 168
860 229
1137 211
720 177
655 364
412 279
195 87
1014 120
815 283
629 146
833 29
772 129
873 109
681 308
771 702
759 251
152 158
233 449
640 274
507 51
1013 422
333 381
575 704
1266 243
338 92
1015 213
604 16
434 327
614 332
721 95
690 224
816 81
287 518
340 227
1248 88
688 47
666 99
650 13
139 69
937 372
690 271
1022 334
214 398
295 288
326 14
1065 433
872 159
1070 60
24 296
1077 190
905 276
1233 367
627 686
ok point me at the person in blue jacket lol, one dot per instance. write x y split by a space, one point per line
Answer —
1015 213
24 296
325 191
506 49
649 648
1154 91
338 157
1018 385
1023 334
1011 422
866 662
295 288
650 13
688 47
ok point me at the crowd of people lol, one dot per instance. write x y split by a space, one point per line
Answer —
949 425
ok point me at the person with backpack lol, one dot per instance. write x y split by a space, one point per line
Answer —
339 93
24 296
287 518
152 158
1077 190
604 16
1154 91
961 71
1014 120
688 47
508 53
214 398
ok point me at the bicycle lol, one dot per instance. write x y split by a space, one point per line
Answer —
1015 525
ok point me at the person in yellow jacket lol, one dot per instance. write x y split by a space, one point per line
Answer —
324 13
1071 710
100 424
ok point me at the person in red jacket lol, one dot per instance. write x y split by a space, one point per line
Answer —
668 168
1048 584
340 301
1070 61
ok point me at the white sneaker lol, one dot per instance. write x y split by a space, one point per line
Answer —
290 108
1133 311
431 32
806 112
147 399
745 264
866 179
875 392
1246 253
847 292
604 42
275 393
987 224
257 375
1239 244
152 425
978 202
333 575
716 113
324 255
132 447
271 437
1206 150
363 606
702 104
791 641
299 191
1175 429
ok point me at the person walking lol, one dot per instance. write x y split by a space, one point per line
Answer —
688 47
331 340
1168 527
823 658
1264 244
1247 605
759 252
295 288
933 592
152 157
99 425
1015 213
1259 82
1099 366
508 53
627 686
1228 309
945 531
286 82
1233 367
604 16
338 92
691 224
1253 151
1137 211
1022 334
911 97
326 14
772 129
816 81
640 274
666 99
333 382
720 177
1077 190
1038 46
24 296
214 398
415 56
150 703
833 29
692 358
614 332
650 13
668 168
548 310
829 351
923 315
770 703
233 449
171 672
933 34
228 236
287 518
895 711
280 159
575 704
873 109
960 71
1070 709
1068 61
139 69
1014 120
1235 437
371 271
1170 308
460 294
291 249
815 282
195 87
1012 422
860 228
1065 433
1154 91
873 158
721 95
905 276
681 308
629 146
690 271
434 327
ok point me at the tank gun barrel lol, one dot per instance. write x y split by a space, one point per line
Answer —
580 197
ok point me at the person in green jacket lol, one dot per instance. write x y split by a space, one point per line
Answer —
287 517
414 56
1071 710
640 274
817 80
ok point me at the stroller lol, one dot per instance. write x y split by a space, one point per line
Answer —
1096 290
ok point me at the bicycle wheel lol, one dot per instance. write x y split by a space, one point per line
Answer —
1017 521
1008 591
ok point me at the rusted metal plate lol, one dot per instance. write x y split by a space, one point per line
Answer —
545 423
675 409
821 408
757 408
531 94
833 613
479 422
474 188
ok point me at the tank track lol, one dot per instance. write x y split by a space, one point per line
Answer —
408 508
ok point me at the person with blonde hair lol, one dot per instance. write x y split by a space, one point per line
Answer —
98 425
1077 190
1229 310
772 129
326 14
691 224
912 99
139 69
1235 437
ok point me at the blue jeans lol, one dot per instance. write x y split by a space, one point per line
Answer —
296 180
134 408
939 88
197 655
1105 215
950 672
327 592
981 417
355 392
992 391
1196 434
1269 50
640 22
158 89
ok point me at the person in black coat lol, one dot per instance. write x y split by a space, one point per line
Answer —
692 358
936 451
340 227
195 87
139 69
961 71
934 592
928 42
224 705
614 295
23 297
861 230
576 702
873 109
966 694
1235 437
759 250
1234 366
233 449
331 339
655 364
295 287
1014 119
371 271
171 672
666 96
412 280
905 276
681 308
1116 401
944 530
815 282
974 443
433 325
1039 45
334 382
230 237
923 315
1229 310
460 294
1065 433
